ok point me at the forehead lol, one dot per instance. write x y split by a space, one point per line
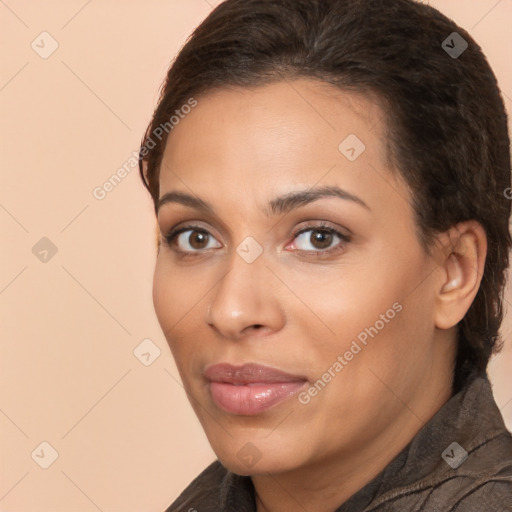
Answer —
254 141
300 110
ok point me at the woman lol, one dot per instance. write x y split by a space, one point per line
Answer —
328 178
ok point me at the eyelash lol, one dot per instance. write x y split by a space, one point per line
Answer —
168 239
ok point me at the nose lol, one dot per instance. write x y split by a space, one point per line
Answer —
245 300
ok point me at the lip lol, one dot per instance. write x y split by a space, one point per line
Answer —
250 389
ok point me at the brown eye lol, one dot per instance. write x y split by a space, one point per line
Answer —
198 239
191 240
321 239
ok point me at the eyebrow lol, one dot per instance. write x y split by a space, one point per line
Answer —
277 206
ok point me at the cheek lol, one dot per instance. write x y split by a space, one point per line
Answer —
170 300
383 303
162 299
177 301
175 292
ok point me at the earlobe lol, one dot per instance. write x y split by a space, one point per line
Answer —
460 272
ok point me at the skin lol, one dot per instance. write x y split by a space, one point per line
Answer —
296 311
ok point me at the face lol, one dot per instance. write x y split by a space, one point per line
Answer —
298 303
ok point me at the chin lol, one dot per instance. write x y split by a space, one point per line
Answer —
254 455
264 466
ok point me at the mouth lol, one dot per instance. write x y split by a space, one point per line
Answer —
250 389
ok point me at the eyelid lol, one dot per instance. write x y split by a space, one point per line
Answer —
322 225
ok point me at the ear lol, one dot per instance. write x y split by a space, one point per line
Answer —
460 259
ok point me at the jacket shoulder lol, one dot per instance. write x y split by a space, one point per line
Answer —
203 492
484 480
495 495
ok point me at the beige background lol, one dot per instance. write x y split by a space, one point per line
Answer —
126 437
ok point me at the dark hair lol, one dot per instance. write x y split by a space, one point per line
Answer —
446 121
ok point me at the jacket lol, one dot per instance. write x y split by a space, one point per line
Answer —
460 461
